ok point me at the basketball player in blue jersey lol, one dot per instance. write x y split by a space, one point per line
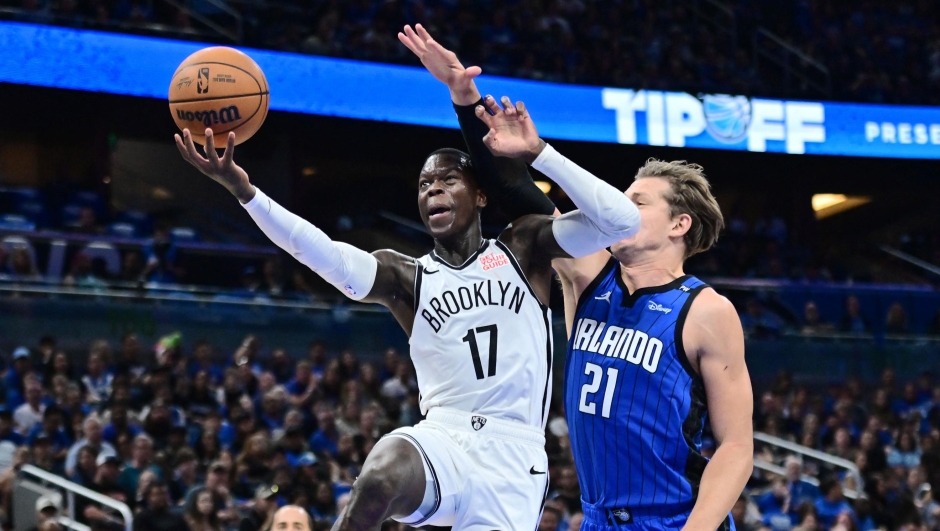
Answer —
651 350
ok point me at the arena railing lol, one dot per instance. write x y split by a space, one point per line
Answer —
783 444
73 489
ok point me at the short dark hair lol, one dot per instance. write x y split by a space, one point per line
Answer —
464 161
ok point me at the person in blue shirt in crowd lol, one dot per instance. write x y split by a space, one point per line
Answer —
800 491
202 361
13 381
832 503
52 426
120 424
7 433
774 505
326 437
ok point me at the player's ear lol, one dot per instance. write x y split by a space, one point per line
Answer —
481 199
681 224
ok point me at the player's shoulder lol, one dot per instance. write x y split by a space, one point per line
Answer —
522 228
392 257
710 306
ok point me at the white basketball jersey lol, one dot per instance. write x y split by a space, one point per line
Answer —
481 341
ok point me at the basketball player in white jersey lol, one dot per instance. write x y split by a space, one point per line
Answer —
477 314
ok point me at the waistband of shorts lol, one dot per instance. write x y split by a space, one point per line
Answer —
485 425
601 515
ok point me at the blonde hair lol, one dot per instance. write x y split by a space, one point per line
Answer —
692 195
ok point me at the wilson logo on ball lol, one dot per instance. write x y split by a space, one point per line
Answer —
224 115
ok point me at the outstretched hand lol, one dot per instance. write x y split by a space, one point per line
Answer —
222 170
443 64
512 133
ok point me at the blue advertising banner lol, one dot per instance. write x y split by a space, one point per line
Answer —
142 66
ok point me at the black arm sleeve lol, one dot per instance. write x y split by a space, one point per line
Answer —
507 180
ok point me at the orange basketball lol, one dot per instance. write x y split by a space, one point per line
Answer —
221 88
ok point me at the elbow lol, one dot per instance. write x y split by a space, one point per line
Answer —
623 222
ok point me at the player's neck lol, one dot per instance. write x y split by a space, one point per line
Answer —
456 250
649 274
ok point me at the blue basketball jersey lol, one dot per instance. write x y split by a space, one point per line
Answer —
634 404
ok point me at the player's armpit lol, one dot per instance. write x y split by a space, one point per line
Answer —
394 285
713 336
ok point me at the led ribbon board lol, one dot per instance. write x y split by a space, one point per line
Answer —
142 66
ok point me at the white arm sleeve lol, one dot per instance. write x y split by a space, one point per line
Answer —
351 270
604 216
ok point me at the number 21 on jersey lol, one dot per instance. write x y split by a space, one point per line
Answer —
588 403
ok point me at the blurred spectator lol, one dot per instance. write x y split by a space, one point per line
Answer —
157 515
13 380
567 490
905 454
800 491
7 433
758 322
853 321
92 435
812 323
47 510
97 382
161 257
551 519
141 460
83 273
87 222
53 427
200 513
832 503
21 264
896 321
261 514
86 467
29 414
132 267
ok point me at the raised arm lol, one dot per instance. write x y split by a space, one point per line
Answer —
604 216
382 277
506 180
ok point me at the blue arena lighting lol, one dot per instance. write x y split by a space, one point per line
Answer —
142 66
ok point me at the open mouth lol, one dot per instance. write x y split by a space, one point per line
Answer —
438 212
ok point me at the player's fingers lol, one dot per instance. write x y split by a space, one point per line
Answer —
229 149
435 47
416 41
211 154
181 147
483 115
404 40
474 71
423 33
491 104
507 106
194 156
520 108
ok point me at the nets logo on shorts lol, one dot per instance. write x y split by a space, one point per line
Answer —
493 260
478 422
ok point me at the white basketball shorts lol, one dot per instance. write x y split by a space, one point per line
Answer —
488 474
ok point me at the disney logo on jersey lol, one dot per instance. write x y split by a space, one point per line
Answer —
633 346
493 260
656 307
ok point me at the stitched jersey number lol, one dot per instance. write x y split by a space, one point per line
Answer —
471 338
596 374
